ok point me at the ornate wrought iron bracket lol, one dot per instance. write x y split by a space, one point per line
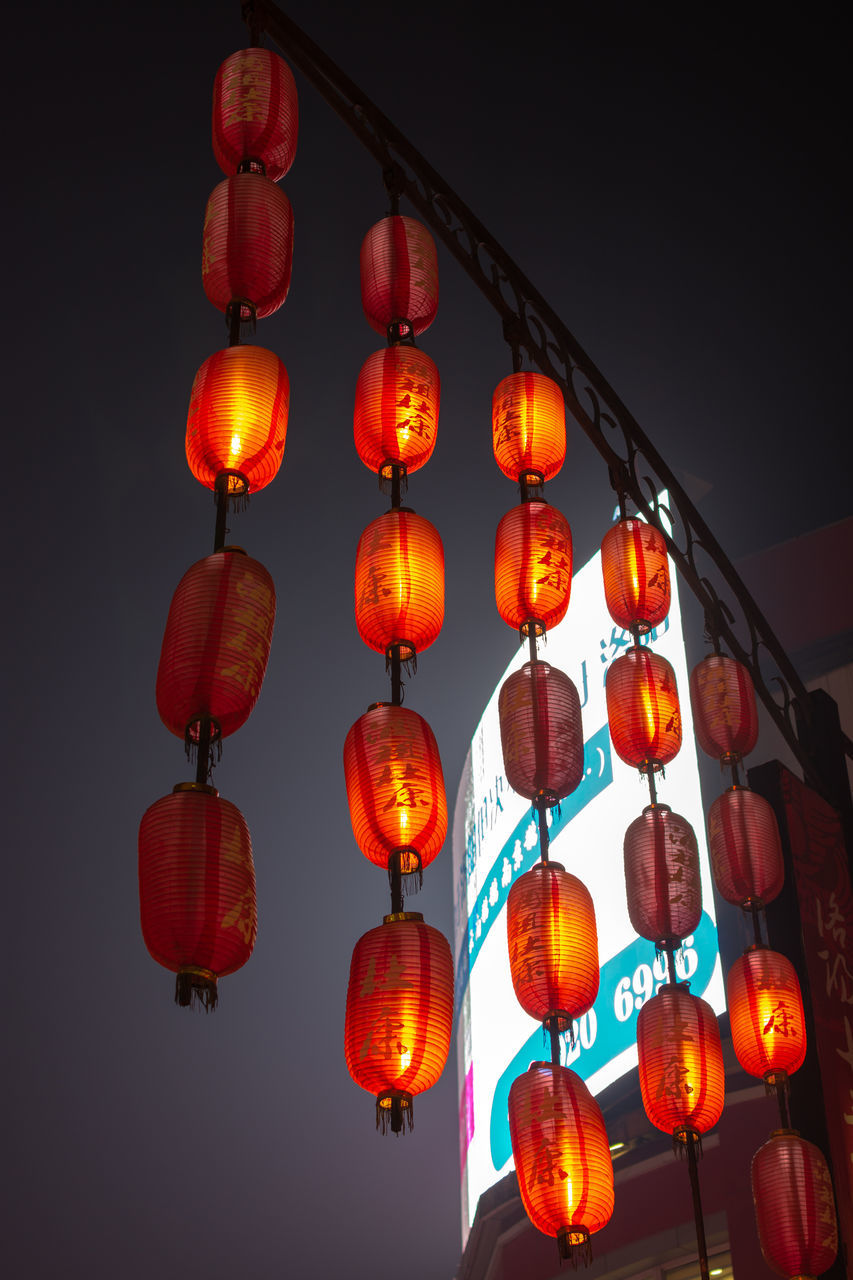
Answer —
529 323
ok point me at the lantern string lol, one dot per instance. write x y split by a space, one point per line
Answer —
694 1140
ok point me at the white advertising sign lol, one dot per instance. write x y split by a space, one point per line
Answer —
495 839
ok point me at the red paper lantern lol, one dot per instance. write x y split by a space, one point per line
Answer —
553 944
399 1013
395 787
766 1012
662 876
197 889
255 114
399 583
562 1156
396 408
533 567
643 709
724 712
528 425
794 1208
635 567
745 848
681 1062
541 732
247 245
399 276
237 419
216 645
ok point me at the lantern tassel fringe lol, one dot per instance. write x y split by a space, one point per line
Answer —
409 884
191 750
679 1146
195 992
384 1118
579 1254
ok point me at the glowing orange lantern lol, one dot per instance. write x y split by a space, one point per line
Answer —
216 645
724 712
399 583
533 567
395 787
562 1156
643 709
396 408
197 889
541 732
247 245
745 848
399 276
237 419
766 1011
682 1079
255 114
636 575
553 945
794 1206
662 876
399 1013
528 426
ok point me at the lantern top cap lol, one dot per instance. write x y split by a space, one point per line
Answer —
756 946
375 706
240 551
784 1133
399 917
657 806
672 988
550 865
195 786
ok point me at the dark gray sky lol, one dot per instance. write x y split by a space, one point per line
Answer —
675 193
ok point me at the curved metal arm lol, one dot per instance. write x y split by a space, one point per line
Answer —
636 467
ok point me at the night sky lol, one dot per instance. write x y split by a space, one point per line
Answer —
675 192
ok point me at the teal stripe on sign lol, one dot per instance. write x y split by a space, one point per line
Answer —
511 862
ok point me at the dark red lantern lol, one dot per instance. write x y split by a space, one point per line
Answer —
533 567
396 408
395 787
635 567
662 876
724 712
247 246
541 732
643 709
562 1156
399 276
197 889
528 426
237 419
794 1207
399 1013
255 114
399 583
766 1012
216 645
553 945
745 848
682 1080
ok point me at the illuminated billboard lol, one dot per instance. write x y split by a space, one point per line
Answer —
495 839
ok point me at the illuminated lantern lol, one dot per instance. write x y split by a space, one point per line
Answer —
541 732
635 568
662 876
197 889
724 712
216 645
794 1207
399 1013
766 1012
399 276
395 787
745 848
396 408
553 944
399 583
528 426
237 419
562 1156
533 567
681 1062
255 114
643 709
247 245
